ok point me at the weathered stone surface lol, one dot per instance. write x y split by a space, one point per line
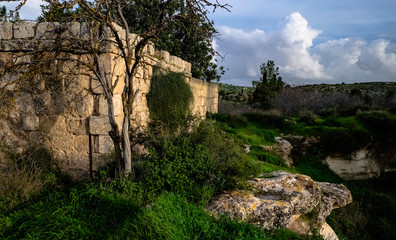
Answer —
301 143
105 144
99 125
30 122
77 126
24 29
59 110
47 30
117 103
70 30
96 86
283 148
282 201
327 232
84 31
6 30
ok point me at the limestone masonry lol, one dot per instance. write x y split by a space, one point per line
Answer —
62 106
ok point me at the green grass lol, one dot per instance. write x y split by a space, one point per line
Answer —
94 212
165 198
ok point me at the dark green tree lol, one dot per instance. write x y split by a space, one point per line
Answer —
186 37
270 85
12 16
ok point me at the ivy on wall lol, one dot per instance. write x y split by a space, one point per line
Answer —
169 99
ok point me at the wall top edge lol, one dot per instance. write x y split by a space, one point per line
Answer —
28 36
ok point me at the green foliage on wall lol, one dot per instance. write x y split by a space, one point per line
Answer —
169 99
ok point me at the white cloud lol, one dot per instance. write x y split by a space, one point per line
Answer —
374 58
300 61
297 37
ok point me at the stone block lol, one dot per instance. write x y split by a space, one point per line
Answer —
24 103
45 44
120 30
107 61
77 126
117 102
5 30
53 123
68 66
24 29
99 125
105 144
81 144
85 105
30 122
47 30
70 30
85 82
96 87
85 34
12 45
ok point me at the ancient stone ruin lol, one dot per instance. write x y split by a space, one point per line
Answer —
61 105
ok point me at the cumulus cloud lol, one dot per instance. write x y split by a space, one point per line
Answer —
300 60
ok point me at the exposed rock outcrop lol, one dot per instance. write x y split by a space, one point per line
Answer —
284 200
282 148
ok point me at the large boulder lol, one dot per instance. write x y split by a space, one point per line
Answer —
284 200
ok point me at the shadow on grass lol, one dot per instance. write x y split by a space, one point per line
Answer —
78 214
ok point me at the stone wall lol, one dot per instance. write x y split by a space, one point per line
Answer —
62 106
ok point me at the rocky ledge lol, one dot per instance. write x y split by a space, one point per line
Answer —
284 200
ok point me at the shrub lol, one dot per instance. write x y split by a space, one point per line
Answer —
196 164
169 99
343 141
307 117
376 119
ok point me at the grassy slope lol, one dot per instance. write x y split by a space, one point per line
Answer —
114 210
117 209
373 213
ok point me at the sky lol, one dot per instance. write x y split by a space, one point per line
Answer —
311 41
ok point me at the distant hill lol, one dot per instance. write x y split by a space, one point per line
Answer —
355 88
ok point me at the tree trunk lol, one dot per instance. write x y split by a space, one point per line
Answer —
126 144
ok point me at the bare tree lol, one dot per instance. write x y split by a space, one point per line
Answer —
108 16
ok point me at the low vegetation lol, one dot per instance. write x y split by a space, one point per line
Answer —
165 196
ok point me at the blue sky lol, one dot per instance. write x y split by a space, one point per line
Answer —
312 41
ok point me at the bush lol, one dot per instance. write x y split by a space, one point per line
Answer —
343 141
195 165
307 117
169 99
376 119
